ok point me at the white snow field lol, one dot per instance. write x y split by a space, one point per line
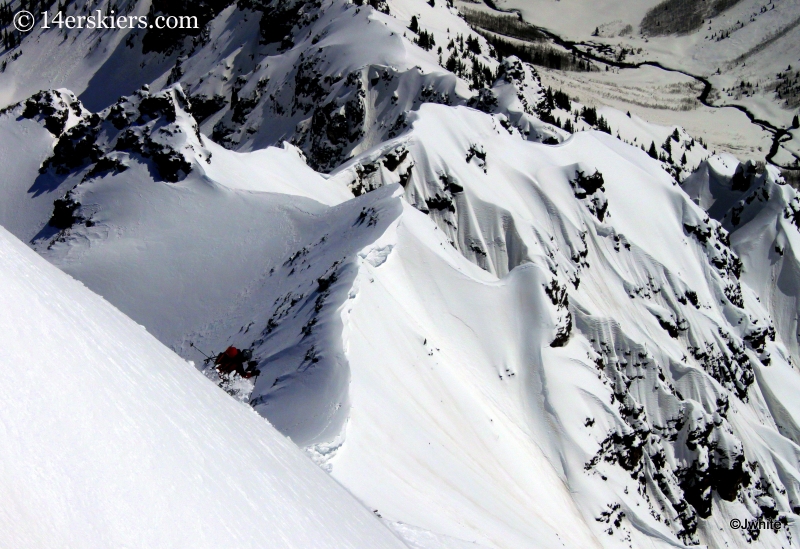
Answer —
661 101
492 331
506 343
111 440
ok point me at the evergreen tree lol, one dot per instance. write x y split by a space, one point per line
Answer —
425 40
590 115
452 63
473 45
652 152
562 100
414 26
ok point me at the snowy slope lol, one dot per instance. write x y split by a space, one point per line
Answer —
110 439
492 331
254 85
760 214
488 336
628 301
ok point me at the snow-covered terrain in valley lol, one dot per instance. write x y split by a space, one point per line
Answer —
748 50
502 305
666 99
111 440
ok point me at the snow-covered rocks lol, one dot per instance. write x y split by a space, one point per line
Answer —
147 127
58 110
485 327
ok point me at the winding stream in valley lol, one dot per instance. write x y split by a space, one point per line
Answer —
778 134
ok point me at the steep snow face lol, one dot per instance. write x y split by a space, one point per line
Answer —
490 331
110 439
209 259
762 217
655 322
516 333
444 359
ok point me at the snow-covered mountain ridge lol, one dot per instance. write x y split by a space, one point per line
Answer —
110 439
482 325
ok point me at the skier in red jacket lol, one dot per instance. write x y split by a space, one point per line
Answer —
233 360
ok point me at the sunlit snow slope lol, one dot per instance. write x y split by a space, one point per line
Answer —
492 331
111 440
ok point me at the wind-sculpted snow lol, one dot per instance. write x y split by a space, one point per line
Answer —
610 365
669 334
494 332
110 439
761 215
